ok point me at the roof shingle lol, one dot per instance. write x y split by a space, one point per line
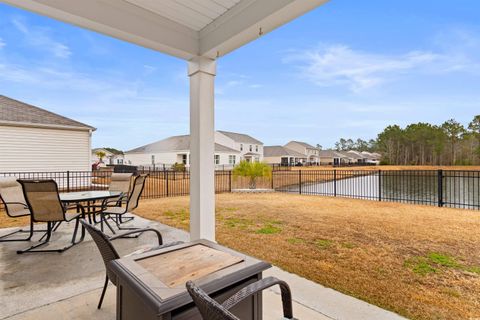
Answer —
14 111
175 143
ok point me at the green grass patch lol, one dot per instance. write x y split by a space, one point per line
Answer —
443 260
473 269
323 243
349 245
420 266
269 229
237 223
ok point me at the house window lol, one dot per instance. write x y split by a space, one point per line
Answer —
241 146
119 161
153 159
251 148
257 159
231 159
217 159
256 148
184 158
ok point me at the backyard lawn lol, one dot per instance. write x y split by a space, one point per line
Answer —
421 262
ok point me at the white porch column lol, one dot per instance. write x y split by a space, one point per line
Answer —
202 72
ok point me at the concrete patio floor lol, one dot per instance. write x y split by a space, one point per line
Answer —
68 285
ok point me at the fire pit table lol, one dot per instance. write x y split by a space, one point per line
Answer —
152 285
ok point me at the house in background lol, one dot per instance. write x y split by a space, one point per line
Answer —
372 157
282 156
310 152
37 140
112 156
332 157
250 148
176 149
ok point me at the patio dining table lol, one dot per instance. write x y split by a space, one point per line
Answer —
89 197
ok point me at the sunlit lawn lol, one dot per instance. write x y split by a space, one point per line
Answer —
419 261
422 262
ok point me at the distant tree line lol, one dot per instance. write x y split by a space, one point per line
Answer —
450 143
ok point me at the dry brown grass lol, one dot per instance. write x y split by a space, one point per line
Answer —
422 262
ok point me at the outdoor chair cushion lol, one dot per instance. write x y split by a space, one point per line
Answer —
115 210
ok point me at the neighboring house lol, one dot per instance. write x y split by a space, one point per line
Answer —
110 158
282 156
310 152
332 157
355 157
372 157
176 150
250 148
36 140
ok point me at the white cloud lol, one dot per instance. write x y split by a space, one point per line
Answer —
341 65
39 37
2 43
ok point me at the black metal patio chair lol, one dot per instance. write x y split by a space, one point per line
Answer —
212 310
11 195
117 212
44 205
108 252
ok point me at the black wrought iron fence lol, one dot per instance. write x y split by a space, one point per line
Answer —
449 188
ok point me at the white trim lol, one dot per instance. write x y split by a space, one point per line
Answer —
42 125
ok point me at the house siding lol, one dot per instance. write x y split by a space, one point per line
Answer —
27 149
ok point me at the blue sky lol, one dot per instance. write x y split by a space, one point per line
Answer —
347 69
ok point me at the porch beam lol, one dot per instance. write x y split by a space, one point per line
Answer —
202 72
121 20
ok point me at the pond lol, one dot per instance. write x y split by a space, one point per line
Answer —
459 189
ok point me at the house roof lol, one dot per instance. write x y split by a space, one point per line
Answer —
16 112
279 151
353 154
331 154
240 137
303 144
175 143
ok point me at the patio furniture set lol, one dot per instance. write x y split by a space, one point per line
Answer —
194 280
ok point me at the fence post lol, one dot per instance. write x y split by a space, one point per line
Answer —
335 182
299 181
166 182
273 174
68 181
230 180
440 187
379 185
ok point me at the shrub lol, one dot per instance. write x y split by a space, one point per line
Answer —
252 170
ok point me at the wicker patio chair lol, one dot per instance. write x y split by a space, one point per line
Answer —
44 204
130 206
212 310
108 252
11 195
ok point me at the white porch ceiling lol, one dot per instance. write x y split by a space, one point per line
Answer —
194 14
182 28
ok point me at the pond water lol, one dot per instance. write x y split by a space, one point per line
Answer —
458 189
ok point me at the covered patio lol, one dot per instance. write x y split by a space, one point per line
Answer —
199 33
